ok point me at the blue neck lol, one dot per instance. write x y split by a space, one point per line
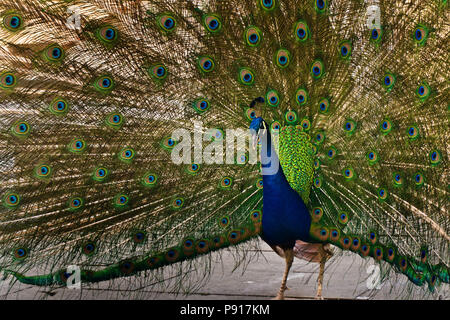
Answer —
285 217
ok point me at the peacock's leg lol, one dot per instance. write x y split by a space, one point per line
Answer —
289 257
323 258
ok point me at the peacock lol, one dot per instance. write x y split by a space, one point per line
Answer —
140 137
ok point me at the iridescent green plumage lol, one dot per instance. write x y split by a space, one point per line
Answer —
296 159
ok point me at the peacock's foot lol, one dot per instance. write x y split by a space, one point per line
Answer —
279 296
319 297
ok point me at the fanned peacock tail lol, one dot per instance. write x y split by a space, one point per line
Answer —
92 92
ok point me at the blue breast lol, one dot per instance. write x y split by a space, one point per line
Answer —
285 217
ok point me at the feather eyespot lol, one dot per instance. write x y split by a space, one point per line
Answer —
316 164
104 84
166 22
215 134
291 117
435 157
364 250
75 203
268 5
389 80
356 243
224 221
345 242
319 138
345 49
241 159
212 23
11 200
412 132
317 214
349 127
305 124
53 53
259 183
321 233
177 203
206 64
226 183
188 247
334 235
201 105
331 153
419 179
202 246
275 127
382 194
421 35
423 255
126 155
376 35
12 21
77 146
282 58
324 105
100 174
42 171
250 114
390 254
317 69
218 241
343 218
402 263
7 80
372 237
149 179
193 168
253 36
317 182
154 261
397 179
21 129
172 255
301 96
302 32
59 106
114 120
168 143
120 201
127 267
88 248
272 98
372 157
20 253
234 236
256 216
246 76
157 71
107 35
385 126
349 173
423 91
378 253
321 5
